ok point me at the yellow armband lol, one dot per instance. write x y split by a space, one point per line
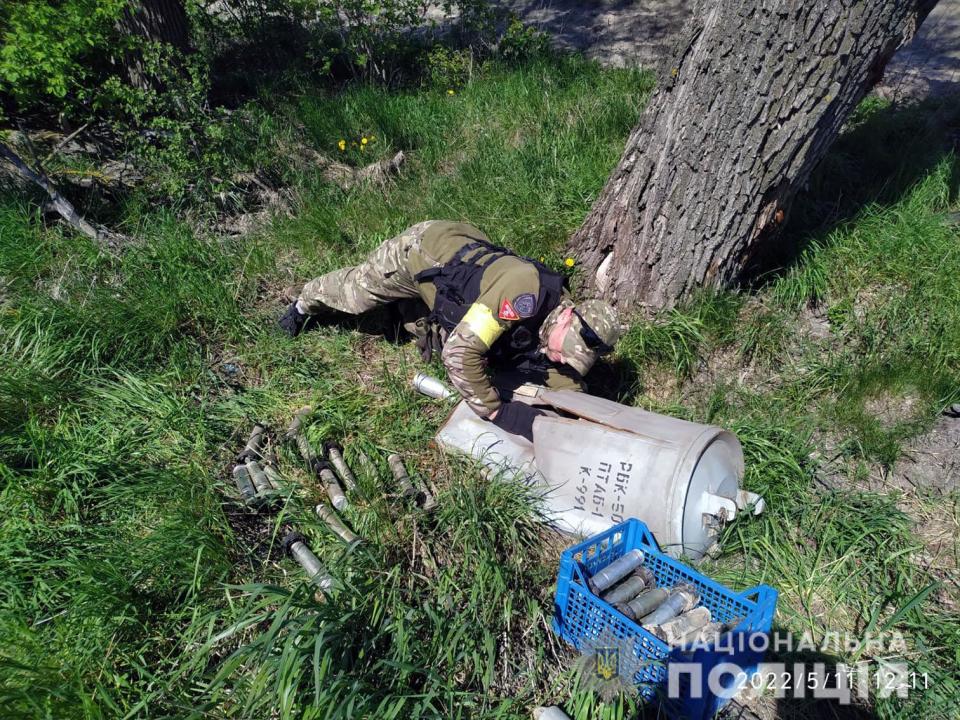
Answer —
480 321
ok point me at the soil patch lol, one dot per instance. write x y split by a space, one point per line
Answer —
616 33
891 409
931 460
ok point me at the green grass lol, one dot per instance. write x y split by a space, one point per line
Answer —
134 587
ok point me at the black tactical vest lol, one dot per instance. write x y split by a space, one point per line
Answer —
458 287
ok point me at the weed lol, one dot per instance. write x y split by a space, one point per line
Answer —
764 334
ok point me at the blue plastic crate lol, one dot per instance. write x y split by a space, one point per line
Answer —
588 623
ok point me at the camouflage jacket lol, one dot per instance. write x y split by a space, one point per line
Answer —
508 287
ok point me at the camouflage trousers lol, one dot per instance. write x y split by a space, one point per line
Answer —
382 278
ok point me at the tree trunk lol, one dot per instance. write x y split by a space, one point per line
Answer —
158 21
756 94
161 21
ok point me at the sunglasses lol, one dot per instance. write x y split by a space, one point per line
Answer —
590 337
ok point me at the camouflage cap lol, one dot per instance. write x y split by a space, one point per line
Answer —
594 331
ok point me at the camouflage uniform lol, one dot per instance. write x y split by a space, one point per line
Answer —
388 275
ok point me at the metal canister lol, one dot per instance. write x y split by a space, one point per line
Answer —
615 571
251 451
242 480
426 500
260 480
680 600
334 491
626 590
296 545
550 712
431 386
647 574
676 628
335 456
400 475
296 435
644 603
705 635
333 522
273 476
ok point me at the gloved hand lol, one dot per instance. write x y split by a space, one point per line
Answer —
517 418
292 321
429 339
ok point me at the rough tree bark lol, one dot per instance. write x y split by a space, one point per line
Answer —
755 95
162 21
158 20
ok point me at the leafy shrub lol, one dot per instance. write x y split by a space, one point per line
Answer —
49 52
168 126
521 42
448 68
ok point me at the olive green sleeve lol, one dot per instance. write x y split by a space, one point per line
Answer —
464 358
492 314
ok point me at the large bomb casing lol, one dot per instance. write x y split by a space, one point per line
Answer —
602 462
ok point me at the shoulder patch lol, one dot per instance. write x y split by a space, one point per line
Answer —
525 304
507 311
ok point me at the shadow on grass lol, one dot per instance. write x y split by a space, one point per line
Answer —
885 151
615 379
811 689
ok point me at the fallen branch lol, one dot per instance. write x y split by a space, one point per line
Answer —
346 177
378 172
113 175
60 145
64 207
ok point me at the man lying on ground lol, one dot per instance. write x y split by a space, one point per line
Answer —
481 306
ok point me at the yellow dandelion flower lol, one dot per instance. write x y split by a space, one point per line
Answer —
542 258
569 262
363 141
450 92
342 145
